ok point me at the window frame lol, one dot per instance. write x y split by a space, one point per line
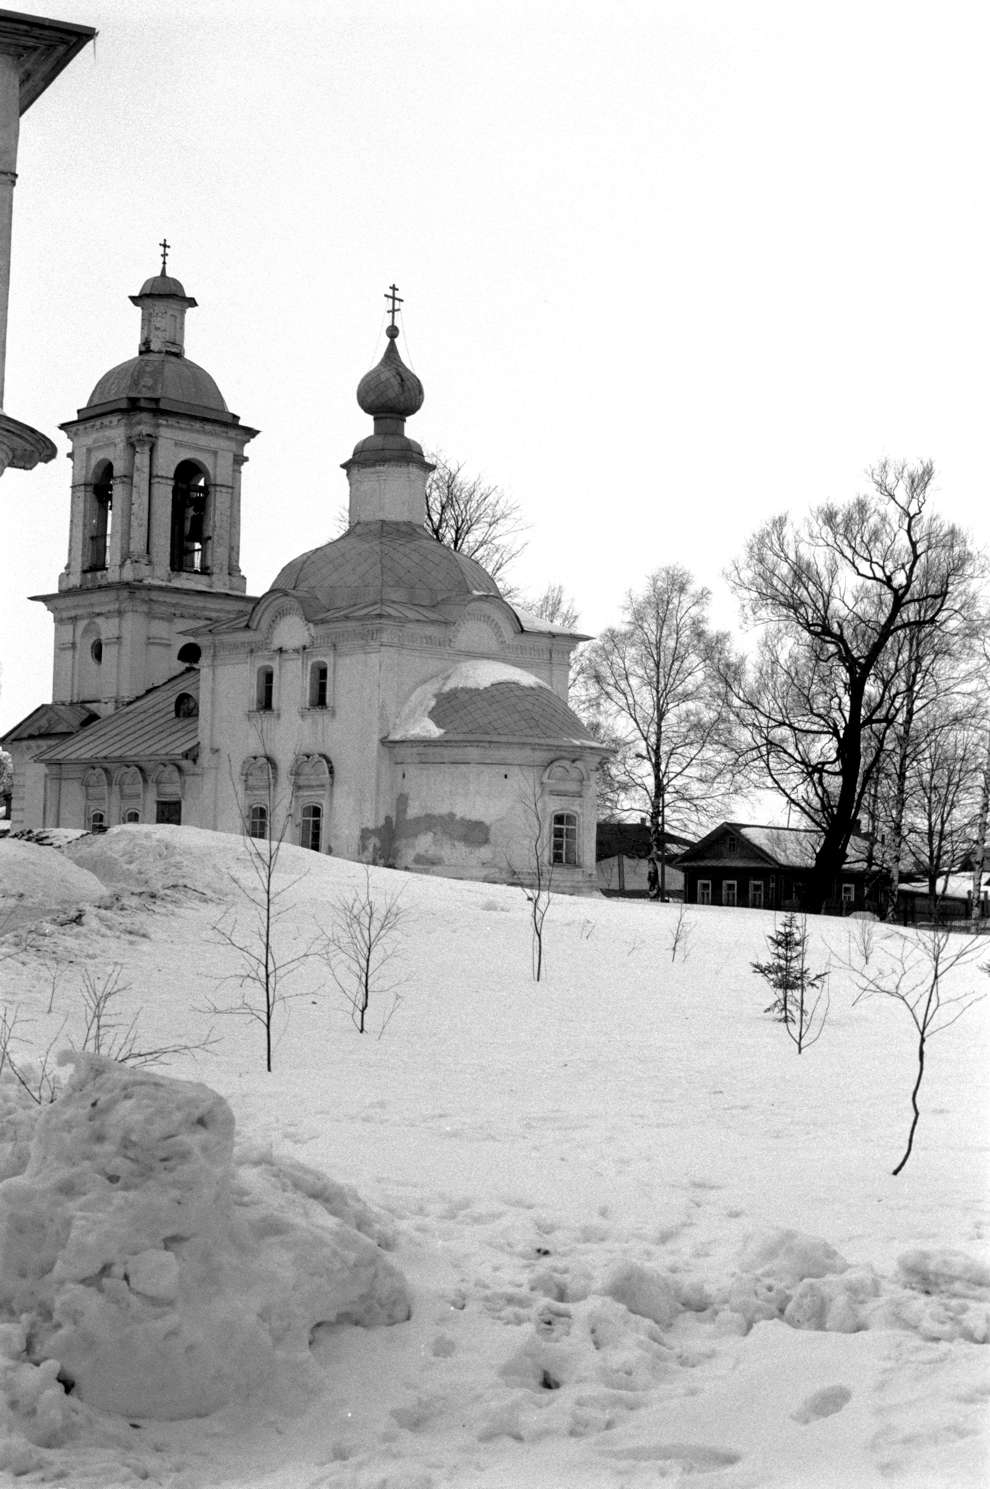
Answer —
564 840
704 891
311 812
264 689
319 684
733 903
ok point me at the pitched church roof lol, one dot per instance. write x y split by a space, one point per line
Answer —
51 718
154 727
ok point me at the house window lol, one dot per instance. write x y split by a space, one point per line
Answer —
729 892
319 677
756 894
97 821
311 832
258 821
190 518
563 839
186 706
848 896
100 506
168 813
265 691
132 815
704 891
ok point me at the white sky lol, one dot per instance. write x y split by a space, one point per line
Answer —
668 267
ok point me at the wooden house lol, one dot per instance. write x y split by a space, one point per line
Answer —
768 868
622 851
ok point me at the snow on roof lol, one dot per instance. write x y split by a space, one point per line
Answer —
489 700
146 727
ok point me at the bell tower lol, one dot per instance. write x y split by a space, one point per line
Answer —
155 514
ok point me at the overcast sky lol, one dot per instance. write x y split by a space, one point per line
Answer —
668 268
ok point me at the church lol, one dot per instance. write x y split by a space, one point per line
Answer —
382 700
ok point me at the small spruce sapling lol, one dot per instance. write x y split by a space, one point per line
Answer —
800 1001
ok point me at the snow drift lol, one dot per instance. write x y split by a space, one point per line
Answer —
163 1279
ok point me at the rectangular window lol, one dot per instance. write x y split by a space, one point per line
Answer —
704 891
848 896
563 843
311 831
265 693
258 821
756 894
729 892
169 813
319 675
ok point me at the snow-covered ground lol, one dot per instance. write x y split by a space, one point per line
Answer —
643 1241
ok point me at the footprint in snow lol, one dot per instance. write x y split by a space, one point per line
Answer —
823 1403
688 1457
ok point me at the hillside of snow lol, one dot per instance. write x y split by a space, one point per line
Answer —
605 1230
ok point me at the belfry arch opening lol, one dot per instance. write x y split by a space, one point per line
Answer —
99 509
191 517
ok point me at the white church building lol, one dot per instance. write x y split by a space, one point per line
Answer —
381 701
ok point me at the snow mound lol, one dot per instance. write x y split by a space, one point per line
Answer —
148 857
35 880
162 1281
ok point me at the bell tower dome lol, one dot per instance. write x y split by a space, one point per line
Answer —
155 516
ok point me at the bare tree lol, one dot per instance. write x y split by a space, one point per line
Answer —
838 598
360 947
259 940
473 516
911 974
535 874
658 687
555 607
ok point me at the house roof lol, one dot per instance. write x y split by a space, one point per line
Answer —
783 847
51 718
631 839
146 729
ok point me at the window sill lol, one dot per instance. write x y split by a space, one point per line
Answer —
325 710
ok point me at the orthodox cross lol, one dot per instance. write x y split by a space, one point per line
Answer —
392 293
164 246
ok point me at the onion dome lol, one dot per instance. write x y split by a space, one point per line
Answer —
390 390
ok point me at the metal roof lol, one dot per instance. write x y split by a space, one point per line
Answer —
52 718
146 729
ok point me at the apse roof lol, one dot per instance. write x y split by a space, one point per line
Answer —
483 700
145 729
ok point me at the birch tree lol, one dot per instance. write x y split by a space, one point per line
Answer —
657 686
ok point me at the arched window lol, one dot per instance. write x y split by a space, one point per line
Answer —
130 790
190 546
168 796
257 824
189 653
311 834
186 706
319 678
96 800
264 698
563 838
98 519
